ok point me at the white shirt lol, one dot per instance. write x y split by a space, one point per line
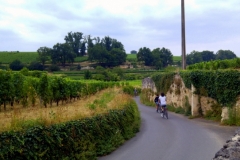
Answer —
162 100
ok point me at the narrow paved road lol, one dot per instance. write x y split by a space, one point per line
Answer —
177 138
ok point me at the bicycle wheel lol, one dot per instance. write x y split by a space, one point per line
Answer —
165 113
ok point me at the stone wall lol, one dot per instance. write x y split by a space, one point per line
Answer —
149 84
178 95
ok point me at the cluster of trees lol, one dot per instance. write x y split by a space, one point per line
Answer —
114 74
17 65
205 56
159 58
106 51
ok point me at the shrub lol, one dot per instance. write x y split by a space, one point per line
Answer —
53 68
16 65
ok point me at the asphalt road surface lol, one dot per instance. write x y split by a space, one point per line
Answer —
176 138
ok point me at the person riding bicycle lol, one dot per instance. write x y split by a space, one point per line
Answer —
135 91
162 101
156 100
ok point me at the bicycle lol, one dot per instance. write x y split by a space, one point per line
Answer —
164 112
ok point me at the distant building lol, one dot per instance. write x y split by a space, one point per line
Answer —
133 52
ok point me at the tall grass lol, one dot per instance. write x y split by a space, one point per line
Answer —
22 118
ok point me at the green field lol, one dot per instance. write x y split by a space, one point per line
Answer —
177 58
25 57
28 57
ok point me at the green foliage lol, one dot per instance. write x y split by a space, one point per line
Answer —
233 117
163 81
187 107
43 55
35 66
24 57
6 88
82 139
145 97
214 113
144 54
87 74
130 90
53 68
217 64
225 84
108 52
44 89
62 53
197 57
77 42
180 110
225 54
16 65
81 59
131 57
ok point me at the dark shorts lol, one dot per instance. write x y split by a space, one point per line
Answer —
164 105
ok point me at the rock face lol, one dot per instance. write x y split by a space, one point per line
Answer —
178 96
231 150
149 84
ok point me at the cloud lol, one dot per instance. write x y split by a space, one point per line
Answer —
135 23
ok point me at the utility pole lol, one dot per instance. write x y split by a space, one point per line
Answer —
183 36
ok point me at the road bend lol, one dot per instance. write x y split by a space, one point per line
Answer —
176 138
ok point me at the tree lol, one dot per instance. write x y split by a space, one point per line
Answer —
16 65
144 54
156 58
87 74
83 49
43 54
166 57
116 57
108 52
89 41
62 53
208 56
162 57
225 54
194 57
97 53
75 41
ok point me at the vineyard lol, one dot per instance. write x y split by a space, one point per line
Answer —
217 64
15 87
50 117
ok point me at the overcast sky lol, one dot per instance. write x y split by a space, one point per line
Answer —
26 25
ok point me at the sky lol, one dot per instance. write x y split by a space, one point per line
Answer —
26 25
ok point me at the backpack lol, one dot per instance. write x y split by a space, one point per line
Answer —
156 99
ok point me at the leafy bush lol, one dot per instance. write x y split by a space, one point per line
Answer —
53 68
74 139
16 65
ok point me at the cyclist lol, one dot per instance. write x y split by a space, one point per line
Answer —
156 100
162 101
135 91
